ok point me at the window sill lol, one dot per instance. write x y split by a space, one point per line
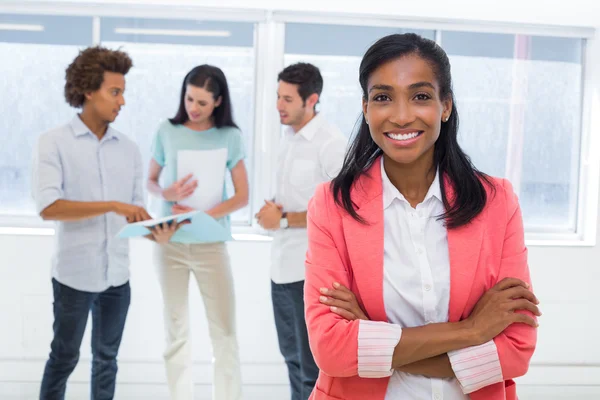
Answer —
240 234
33 226
253 234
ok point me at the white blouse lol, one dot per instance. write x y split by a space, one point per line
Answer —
416 292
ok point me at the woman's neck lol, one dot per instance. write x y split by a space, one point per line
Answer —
200 126
412 180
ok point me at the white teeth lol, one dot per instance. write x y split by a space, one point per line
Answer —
401 136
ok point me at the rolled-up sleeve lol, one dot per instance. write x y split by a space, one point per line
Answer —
476 367
376 344
47 173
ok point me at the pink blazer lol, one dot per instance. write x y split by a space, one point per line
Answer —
343 250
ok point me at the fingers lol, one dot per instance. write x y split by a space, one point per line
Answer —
525 319
336 303
180 224
163 232
190 186
523 304
343 313
507 283
144 214
186 190
165 227
338 294
136 217
270 204
186 193
184 179
520 292
177 209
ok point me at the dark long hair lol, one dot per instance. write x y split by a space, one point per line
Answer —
470 195
213 80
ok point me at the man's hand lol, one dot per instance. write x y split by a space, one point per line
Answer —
131 212
269 216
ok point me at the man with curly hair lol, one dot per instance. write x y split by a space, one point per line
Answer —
87 177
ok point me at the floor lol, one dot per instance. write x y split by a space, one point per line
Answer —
28 391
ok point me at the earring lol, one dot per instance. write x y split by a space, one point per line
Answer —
367 121
447 118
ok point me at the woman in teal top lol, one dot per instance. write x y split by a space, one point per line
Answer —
203 122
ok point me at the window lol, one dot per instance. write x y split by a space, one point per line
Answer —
163 52
520 96
519 99
36 51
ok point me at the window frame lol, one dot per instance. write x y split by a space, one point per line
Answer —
269 54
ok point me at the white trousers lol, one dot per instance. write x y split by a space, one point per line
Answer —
209 263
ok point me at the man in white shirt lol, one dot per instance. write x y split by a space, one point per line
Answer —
311 152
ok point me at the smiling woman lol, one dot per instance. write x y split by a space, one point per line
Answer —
410 221
391 109
410 116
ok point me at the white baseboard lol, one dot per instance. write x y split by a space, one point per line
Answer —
19 380
80 391
561 375
15 370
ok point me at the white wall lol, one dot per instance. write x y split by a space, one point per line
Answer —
26 317
565 280
566 363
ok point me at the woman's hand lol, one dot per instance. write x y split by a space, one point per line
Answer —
162 233
342 302
181 189
495 310
179 209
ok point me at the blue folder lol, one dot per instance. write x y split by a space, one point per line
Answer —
203 227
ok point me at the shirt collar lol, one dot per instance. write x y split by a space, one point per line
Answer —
390 192
80 129
309 130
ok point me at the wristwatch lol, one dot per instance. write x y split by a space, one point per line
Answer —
283 222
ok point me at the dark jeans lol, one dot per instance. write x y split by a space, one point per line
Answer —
71 309
288 305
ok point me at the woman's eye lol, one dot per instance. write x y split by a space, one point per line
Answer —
381 97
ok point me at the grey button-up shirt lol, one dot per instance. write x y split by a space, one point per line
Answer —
70 163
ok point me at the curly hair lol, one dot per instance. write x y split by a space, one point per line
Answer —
86 72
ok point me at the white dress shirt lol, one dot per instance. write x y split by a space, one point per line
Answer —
313 155
416 280
416 292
